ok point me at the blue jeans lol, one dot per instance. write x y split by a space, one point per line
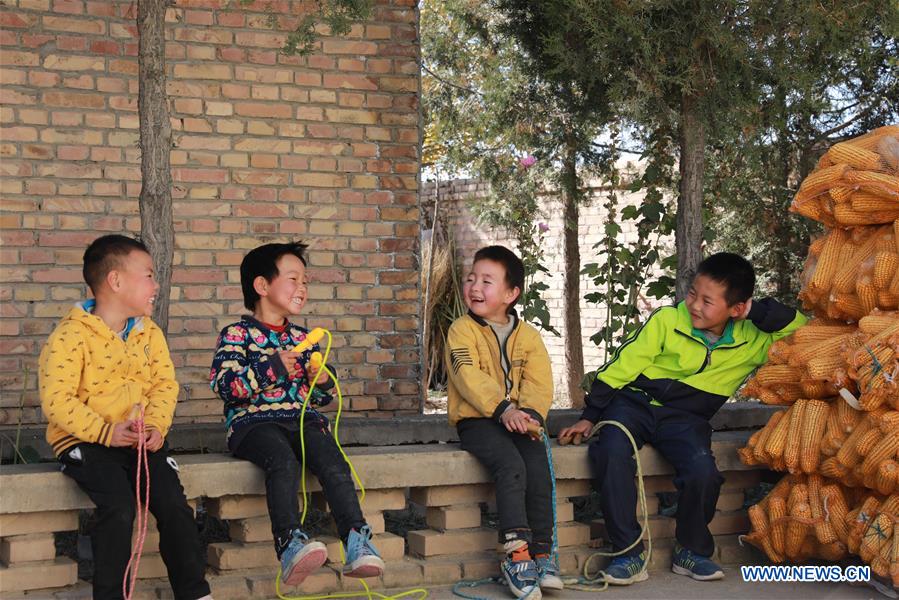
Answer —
685 441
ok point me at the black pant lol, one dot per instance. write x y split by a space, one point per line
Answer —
518 467
276 449
685 440
107 475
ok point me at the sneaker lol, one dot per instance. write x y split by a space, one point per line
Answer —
700 568
522 578
625 570
362 560
548 572
300 558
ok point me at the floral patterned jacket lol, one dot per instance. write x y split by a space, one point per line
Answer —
253 382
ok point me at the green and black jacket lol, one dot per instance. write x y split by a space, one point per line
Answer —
674 365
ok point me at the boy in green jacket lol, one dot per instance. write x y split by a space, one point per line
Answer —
664 384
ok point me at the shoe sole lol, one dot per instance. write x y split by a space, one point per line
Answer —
362 568
312 557
553 584
533 594
640 576
684 571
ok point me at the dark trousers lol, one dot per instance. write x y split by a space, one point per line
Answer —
685 441
107 476
518 467
276 449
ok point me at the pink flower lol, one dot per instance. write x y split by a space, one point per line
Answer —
527 161
260 339
543 227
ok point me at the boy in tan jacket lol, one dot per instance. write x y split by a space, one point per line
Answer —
500 382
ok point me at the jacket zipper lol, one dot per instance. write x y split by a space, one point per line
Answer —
507 375
708 351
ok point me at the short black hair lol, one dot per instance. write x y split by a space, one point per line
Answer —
264 261
733 271
510 262
105 254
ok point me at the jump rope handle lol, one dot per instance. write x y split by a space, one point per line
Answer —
312 338
315 361
535 430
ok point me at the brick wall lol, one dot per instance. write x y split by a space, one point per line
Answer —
469 235
266 148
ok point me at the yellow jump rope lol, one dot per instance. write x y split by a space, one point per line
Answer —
319 364
587 582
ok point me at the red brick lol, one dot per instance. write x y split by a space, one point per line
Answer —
15 20
106 47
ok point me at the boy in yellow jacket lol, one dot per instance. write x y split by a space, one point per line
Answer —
500 381
104 358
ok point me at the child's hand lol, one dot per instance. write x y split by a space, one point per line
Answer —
123 435
154 439
516 420
581 429
289 359
312 371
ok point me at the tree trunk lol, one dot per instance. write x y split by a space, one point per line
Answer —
571 291
688 234
156 227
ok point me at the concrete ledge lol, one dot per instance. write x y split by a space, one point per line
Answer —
42 487
421 429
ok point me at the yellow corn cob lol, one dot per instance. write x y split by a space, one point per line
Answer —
889 422
823 530
771 398
877 322
875 536
886 264
866 442
834 469
817 388
814 419
747 457
777 510
760 449
826 366
817 246
886 299
860 522
849 417
855 157
821 180
894 557
846 216
770 375
846 306
880 564
867 295
847 455
759 521
844 279
794 437
796 530
833 434
841 193
887 475
779 352
828 261
774 444
873 139
887 185
871 203
834 504
881 452
818 333
896 233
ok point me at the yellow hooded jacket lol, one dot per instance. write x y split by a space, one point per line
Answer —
477 381
90 379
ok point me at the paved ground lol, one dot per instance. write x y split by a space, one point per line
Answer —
664 585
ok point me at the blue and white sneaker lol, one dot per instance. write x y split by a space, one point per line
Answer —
700 568
625 570
362 559
301 557
522 578
548 572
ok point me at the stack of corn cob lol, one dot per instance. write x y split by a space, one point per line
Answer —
838 377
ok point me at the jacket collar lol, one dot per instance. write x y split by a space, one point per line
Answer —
732 335
132 324
483 322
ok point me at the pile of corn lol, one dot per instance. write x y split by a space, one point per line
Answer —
838 377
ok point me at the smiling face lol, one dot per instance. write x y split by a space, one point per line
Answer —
708 306
486 292
285 294
134 283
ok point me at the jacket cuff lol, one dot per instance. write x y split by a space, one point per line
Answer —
500 409
534 414
769 315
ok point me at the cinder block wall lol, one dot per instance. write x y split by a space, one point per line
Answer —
266 148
